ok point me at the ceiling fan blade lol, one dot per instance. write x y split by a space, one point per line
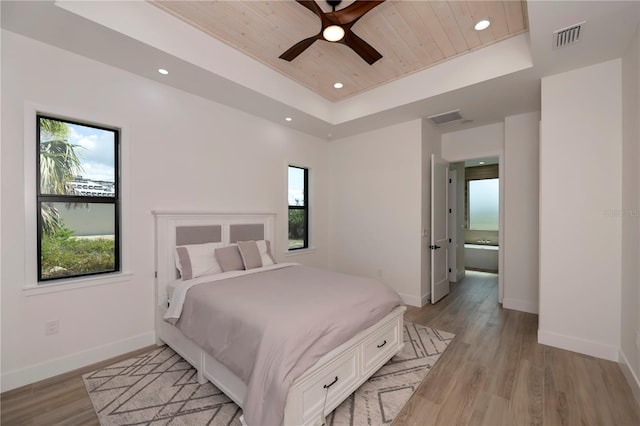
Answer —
361 47
298 48
353 12
312 6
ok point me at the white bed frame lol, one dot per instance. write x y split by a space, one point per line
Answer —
334 377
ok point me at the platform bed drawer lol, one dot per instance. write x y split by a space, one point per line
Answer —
377 349
333 379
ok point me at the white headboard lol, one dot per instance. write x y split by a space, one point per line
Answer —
201 227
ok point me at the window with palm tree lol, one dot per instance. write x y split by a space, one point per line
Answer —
78 199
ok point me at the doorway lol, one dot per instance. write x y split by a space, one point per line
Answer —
476 218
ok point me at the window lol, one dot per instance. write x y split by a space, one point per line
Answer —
298 208
78 199
483 204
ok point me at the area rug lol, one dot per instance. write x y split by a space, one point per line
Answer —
161 388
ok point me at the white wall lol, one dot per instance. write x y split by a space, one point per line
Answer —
580 190
184 153
521 165
460 202
630 314
375 213
477 142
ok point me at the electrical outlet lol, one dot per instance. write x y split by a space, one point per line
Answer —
51 327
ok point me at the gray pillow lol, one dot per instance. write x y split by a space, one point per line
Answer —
250 254
229 258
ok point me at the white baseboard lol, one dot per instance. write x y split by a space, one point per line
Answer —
576 344
631 377
412 300
24 376
520 305
461 275
425 299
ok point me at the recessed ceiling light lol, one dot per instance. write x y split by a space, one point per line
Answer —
482 25
163 71
338 85
481 163
288 118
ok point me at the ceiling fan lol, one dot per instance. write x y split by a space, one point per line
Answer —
336 27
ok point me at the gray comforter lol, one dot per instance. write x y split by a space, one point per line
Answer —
269 327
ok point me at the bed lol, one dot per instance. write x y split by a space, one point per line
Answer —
322 386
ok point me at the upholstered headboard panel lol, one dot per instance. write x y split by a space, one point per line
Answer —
198 234
183 228
246 232
213 233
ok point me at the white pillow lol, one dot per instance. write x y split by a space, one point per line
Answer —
265 252
197 260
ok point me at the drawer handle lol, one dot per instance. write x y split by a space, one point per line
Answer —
331 384
381 345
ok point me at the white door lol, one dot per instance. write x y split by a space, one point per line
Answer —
439 238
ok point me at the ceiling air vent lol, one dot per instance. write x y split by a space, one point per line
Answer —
566 36
446 117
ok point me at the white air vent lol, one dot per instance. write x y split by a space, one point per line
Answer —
569 35
446 117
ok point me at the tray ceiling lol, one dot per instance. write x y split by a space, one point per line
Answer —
411 36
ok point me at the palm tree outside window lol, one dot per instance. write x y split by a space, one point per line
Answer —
78 199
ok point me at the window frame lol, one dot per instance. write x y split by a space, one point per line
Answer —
40 198
305 208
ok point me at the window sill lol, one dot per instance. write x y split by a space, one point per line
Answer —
73 284
290 253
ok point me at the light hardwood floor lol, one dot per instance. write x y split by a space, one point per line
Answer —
493 373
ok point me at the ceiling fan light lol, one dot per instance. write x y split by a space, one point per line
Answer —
333 33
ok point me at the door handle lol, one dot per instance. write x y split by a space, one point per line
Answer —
434 247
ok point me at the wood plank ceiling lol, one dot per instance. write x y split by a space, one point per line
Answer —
410 35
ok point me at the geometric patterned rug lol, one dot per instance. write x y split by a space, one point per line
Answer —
161 388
